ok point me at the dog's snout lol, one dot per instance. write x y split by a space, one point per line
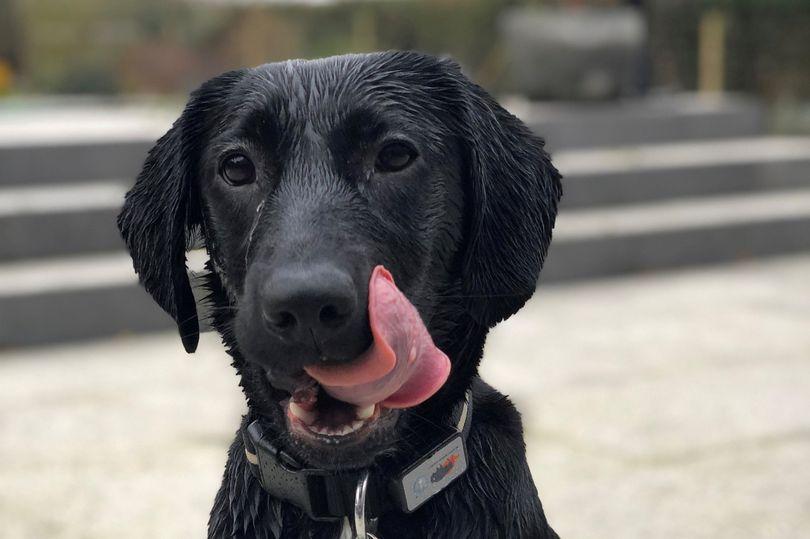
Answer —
302 304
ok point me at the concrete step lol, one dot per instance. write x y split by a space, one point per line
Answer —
68 218
47 142
59 220
96 295
25 165
645 120
666 235
647 173
73 299
76 298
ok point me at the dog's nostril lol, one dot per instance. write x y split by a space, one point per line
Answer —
285 320
281 320
330 316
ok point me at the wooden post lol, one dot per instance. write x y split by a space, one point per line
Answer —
712 52
6 77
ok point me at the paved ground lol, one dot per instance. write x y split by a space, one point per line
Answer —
667 406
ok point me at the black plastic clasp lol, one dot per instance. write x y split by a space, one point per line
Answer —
316 492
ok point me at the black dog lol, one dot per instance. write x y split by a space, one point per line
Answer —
301 178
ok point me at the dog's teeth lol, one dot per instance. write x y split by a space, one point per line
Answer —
353 427
342 430
305 416
364 412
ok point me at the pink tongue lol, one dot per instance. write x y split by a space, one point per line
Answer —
402 368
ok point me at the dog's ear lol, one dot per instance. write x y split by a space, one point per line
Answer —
161 211
513 191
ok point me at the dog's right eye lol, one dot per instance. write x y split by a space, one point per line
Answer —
395 156
237 169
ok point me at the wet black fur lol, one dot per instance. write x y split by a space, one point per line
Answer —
469 259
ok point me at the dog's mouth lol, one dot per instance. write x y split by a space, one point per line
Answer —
314 415
337 401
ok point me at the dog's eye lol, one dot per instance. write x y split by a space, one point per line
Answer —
237 169
395 156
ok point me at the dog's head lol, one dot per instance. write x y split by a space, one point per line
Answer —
303 177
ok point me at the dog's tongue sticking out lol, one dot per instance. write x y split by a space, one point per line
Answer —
402 368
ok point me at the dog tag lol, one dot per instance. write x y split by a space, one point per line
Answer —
430 475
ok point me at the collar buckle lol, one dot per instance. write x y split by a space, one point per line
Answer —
317 492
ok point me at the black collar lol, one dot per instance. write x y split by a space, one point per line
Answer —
328 495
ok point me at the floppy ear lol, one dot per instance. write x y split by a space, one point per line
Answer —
513 191
161 211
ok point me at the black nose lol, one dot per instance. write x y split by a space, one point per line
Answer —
305 304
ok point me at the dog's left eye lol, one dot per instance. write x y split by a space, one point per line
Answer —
395 156
237 169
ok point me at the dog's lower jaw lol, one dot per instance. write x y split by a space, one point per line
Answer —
495 498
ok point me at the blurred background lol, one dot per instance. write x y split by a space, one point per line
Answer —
663 368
